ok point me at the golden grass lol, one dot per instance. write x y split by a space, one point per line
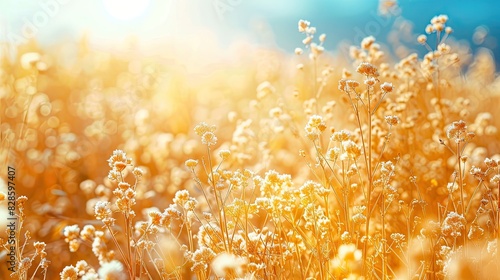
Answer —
267 166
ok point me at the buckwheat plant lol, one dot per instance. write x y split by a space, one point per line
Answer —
25 259
137 247
383 164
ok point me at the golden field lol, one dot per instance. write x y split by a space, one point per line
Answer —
260 165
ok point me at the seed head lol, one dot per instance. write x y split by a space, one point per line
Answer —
303 25
422 39
392 120
367 42
386 87
367 69
322 38
209 139
191 163
69 273
202 128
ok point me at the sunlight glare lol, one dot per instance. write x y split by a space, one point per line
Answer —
126 9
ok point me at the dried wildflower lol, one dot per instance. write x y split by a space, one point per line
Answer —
444 48
346 237
370 81
155 217
445 251
224 154
112 270
114 175
123 186
138 172
74 245
352 150
129 194
191 163
209 139
413 179
23 266
438 23
343 85
475 232
422 39
315 127
442 19
392 120
491 163
322 38
181 197
71 232
342 135
398 237
477 173
332 154
359 218
201 258
386 87
87 233
69 273
311 30
102 210
316 49
118 161
367 42
387 168
429 29
100 249
452 186
367 69
387 7
352 84
438 27
39 247
495 179
44 263
83 268
457 131
264 89
21 201
298 51
307 40
453 225
203 128
303 25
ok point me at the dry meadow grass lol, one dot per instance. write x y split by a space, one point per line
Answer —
269 166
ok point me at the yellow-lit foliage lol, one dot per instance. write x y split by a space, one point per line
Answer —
266 165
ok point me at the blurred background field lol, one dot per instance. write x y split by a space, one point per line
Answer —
80 79
224 22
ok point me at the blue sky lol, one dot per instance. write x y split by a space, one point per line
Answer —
260 21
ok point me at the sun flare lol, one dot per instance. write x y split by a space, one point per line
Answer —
126 9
